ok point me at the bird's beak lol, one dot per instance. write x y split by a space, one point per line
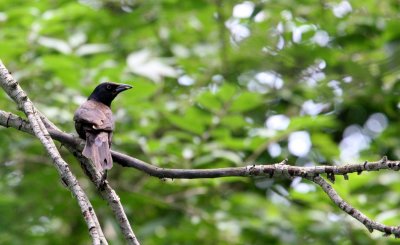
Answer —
122 87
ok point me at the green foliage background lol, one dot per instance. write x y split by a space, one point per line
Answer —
197 103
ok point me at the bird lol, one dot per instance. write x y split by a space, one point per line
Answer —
94 123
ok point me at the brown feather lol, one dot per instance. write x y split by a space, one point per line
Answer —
97 148
94 122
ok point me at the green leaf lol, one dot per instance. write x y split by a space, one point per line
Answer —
246 101
234 121
64 67
209 101
193 120
143 89
226 92
312 122
217 156
325 145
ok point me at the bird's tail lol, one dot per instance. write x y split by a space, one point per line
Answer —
97 148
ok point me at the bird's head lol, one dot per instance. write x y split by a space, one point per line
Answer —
106 92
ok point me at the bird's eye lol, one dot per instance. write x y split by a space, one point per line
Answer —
109 87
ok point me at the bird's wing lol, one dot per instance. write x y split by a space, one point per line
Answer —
94 122
97 148
97 115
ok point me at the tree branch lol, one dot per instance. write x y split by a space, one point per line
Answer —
268 170
13 89
343 205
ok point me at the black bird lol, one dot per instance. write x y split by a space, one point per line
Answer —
94 123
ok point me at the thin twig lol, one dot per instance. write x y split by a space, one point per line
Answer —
343 205
222 34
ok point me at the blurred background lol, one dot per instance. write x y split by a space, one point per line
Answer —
216 84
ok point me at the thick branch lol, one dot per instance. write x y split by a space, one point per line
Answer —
13 89
343 205
271 170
